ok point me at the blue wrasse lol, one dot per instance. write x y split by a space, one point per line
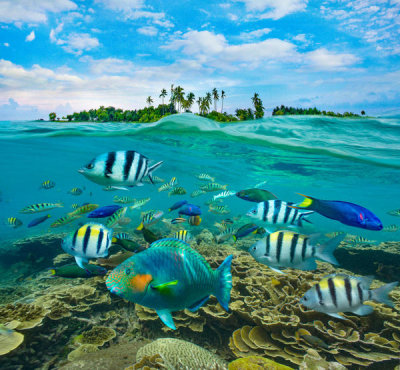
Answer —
38 221
105 211
177 205
190 210
347 213
170 276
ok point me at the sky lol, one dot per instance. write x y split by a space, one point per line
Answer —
70 55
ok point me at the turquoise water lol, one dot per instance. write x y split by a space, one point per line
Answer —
356 160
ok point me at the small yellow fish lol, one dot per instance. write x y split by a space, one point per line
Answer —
84 209
13 222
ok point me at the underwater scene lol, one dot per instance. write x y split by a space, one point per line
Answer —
192 244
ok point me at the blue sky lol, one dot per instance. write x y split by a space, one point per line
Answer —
69 55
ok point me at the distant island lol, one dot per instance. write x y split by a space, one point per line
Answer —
181 102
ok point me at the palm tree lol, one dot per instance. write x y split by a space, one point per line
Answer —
204 106
162 96
149 101
215 97
190 100
208 101
172 97
199 100
223 96
180 96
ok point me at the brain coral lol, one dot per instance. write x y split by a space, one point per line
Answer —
179 354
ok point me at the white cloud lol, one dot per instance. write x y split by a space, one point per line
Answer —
75 43
110 66
30 37
32 11
276 9
300 37
6 44
322 59
148 30
255 34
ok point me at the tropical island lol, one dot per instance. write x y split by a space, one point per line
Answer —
180 102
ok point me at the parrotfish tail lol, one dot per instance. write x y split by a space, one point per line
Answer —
325 251
140 227
381 294
307 203
153 168
224 284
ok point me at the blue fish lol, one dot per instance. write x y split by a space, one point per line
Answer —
38 220
177 205
104 211
170 276
190 210
347 213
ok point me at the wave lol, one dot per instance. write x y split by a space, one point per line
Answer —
370 140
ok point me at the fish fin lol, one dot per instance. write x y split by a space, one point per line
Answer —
307 265
80 262
119 188
381 294
325 251
140 227
306 203
139 184
302 218
196 305
363 310
153 168
234 237
162 286
166 318
224 284
276 270
335 315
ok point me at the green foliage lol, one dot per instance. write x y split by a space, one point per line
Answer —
52 116
221 117
283 110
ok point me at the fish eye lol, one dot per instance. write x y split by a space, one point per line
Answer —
127 271
253 211
90 166
304 298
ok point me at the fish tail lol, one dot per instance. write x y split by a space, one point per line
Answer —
53 272
381 294
325 252
307 203
224 283
140 227
153 168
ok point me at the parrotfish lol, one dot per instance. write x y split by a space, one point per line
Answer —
343 293
126 168
170 276
190 210
347 213
74 271
177 205
256 195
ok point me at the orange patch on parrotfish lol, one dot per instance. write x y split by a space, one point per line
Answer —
139 282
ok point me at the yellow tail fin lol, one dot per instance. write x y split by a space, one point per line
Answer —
306 203
140 227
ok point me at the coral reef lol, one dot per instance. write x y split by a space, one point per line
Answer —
97 336
179 354
256 363
10 339
28 315
82 350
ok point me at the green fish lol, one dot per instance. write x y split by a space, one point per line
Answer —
41 207
212 186
149 236
170 276
256 195
116 216
178 190
74 271
128 245
64 220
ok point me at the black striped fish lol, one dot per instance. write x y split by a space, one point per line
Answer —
344 293
48 184
290 249
127 168
123 200
89 241
75 191
183 235
212 186
40 207
197 192
156 180
64 220
395 212
278 212
205 177
13 222
391 228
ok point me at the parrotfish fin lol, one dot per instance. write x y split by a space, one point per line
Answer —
140 227
363 310
276 270
195 306
381 294
335 315
166 318
325 251
224 283
80 262
306 203
307 265
162 288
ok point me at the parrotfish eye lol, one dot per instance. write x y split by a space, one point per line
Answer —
127 271
90 166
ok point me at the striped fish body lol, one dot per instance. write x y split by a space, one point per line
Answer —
139 203
205 177
64 220
164 187
150 219
344 293
156 180
278 212
194 220
197 193
290 249
76 191
224 194
183 235
177 191
178 220
219 210
41 207
127 168
116 216
13 222
89 241
123 200
395 212
225 235
212 186
391 228
84 209
48 184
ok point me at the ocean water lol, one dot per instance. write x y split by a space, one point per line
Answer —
354 160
